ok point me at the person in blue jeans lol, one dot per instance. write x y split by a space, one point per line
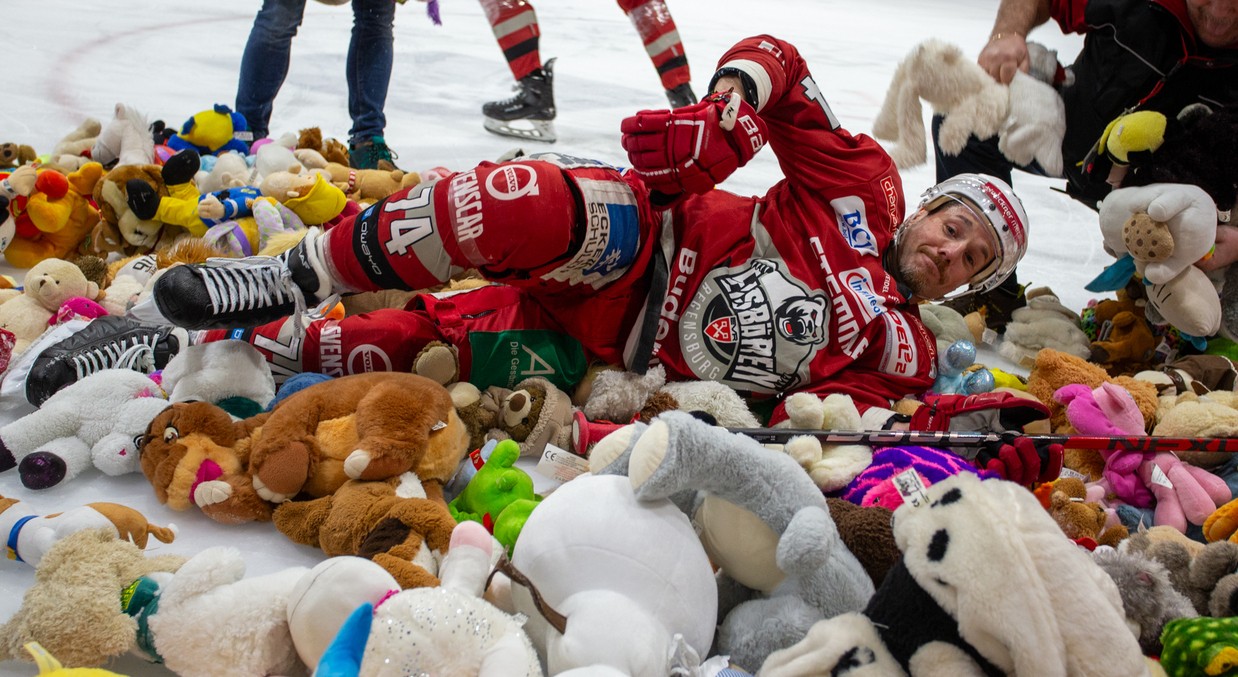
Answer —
264 66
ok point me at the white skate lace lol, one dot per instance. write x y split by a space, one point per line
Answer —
131 352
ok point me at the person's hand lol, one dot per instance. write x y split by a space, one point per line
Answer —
1188 210
693 148
1226 251
1022 460
1013 457
1005 55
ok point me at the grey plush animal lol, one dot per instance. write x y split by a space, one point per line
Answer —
761 520
1214 585
1148 596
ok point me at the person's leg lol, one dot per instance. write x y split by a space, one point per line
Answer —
264 64
370 55
529 223
500 335
978 156
514 23
653 22
515 27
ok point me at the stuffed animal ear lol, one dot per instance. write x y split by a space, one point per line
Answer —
981 572
1029 600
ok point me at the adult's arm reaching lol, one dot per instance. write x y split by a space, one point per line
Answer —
1006 52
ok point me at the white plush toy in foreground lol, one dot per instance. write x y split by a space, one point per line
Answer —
630 577
95 420
447 631
1028 116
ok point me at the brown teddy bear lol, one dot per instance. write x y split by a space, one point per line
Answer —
405 534
16 154
369 185
868 534
1080 518
364 426
331 149
534 413
1054 369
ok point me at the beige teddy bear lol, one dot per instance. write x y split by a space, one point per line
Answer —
48 284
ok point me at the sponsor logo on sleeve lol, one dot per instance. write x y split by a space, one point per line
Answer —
853 224
899 357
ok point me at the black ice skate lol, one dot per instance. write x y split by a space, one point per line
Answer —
681 95
108 342
530 113
225 293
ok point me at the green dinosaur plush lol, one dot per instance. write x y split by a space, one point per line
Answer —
497 489
1200 646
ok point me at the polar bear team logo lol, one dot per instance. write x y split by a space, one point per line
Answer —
754 328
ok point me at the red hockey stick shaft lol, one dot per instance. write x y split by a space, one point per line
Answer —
889 438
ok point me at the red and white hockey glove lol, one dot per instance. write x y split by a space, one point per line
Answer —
1015 458
693 148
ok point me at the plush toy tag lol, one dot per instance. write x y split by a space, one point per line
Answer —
1159 477
561 465
911 487
1070 472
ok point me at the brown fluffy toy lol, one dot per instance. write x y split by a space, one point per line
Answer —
87 573
391 522
16 154
366 426
332 149
369 185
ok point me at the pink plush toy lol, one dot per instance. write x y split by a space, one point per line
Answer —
1183 493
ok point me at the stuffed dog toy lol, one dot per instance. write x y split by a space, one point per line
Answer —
366 426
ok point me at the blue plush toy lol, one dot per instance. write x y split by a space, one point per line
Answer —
953 376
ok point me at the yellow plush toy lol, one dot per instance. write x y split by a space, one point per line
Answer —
311 197
51 212
214 131
1139 132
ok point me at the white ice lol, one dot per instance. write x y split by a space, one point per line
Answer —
67 61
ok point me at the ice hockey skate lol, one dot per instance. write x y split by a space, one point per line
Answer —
530 113
681 95
223 293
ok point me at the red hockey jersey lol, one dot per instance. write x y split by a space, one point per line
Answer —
787 292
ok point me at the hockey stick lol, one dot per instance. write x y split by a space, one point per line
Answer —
889 438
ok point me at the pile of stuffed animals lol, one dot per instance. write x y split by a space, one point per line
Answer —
619 527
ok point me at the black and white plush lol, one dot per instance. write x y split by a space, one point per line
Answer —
1021 599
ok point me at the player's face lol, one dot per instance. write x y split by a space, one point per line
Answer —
944 250
1215 21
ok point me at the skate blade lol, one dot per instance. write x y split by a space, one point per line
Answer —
537 130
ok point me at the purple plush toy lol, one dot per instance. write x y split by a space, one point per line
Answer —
875 486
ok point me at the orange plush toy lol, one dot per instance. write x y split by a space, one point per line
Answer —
53 214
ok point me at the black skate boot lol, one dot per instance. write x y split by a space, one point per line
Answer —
225 293
681 95
108 342
534 103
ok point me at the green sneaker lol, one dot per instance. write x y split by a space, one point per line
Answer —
372 154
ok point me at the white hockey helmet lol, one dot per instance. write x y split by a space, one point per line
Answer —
994 201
